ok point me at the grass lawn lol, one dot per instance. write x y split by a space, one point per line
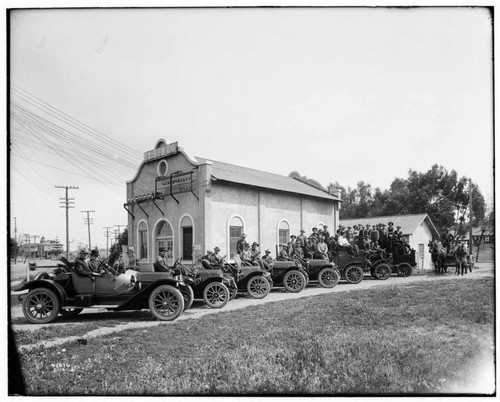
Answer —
426 339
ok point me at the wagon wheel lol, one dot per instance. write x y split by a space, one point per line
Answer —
70 312
404 269
216 295
382 271
353 274
258 287
166 303
328 277
41 306
294 281
188 296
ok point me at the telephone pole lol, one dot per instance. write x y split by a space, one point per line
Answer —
470 216
89 222
107 239
67 203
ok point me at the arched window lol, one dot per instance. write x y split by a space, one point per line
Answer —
235 231
283 234
165 239
143 241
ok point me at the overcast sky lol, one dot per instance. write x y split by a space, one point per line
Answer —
337 94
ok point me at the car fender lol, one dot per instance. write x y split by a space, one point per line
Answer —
141 297
46 283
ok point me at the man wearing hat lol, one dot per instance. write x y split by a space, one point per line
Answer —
94 260
267 260
398 233
81 266
314 233
326 233
216 260
161 264
302 239
291 246
374 235
240 246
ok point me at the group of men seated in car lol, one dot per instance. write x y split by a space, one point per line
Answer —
90 265
376 242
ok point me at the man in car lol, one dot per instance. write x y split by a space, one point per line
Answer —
94 260
81 266
216 260
161 264
240 246
267 260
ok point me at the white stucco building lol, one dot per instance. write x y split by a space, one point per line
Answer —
191 204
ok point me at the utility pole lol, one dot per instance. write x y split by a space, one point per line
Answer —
107 239
26 241
88 222
118 234
67 204
34 242
470 216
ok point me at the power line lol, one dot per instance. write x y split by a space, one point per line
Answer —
67 205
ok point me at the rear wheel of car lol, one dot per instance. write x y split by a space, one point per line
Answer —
166 303
41 306
353 274
404 269
216 295
258 287
188 296
294 281
70 312
328 277
382 271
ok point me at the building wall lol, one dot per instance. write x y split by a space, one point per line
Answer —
261 212
422 235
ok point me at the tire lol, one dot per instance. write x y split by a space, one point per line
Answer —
294 281
404 269
258 287
353 274
70 312
382 271
328 277
41 306
188 296
216 295
166 303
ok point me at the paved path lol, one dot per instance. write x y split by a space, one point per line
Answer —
136 319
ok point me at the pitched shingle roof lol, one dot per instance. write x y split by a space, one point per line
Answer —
252 177
408 223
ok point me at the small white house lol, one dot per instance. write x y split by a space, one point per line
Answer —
418 229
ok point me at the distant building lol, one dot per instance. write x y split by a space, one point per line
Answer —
417 229
190 204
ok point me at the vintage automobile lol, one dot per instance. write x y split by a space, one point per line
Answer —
249 279
402 260
208 283
290 275
67 293
322 271
353 267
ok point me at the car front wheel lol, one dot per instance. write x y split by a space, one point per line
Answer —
41 306
216 295
294 281
258 287
166 303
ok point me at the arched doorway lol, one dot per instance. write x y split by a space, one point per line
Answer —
165 239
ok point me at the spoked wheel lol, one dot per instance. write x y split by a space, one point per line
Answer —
216 295
354 274
404 269
382 271
41 306
166 303
328 277
294 281
70 312
258 287
188 296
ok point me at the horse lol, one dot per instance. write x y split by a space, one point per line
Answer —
461 260
438 254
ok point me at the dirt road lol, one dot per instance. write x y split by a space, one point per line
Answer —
143 318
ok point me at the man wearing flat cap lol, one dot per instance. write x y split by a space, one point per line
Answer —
240 246
301 238
216 260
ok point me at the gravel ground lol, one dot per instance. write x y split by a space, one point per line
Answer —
136 319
